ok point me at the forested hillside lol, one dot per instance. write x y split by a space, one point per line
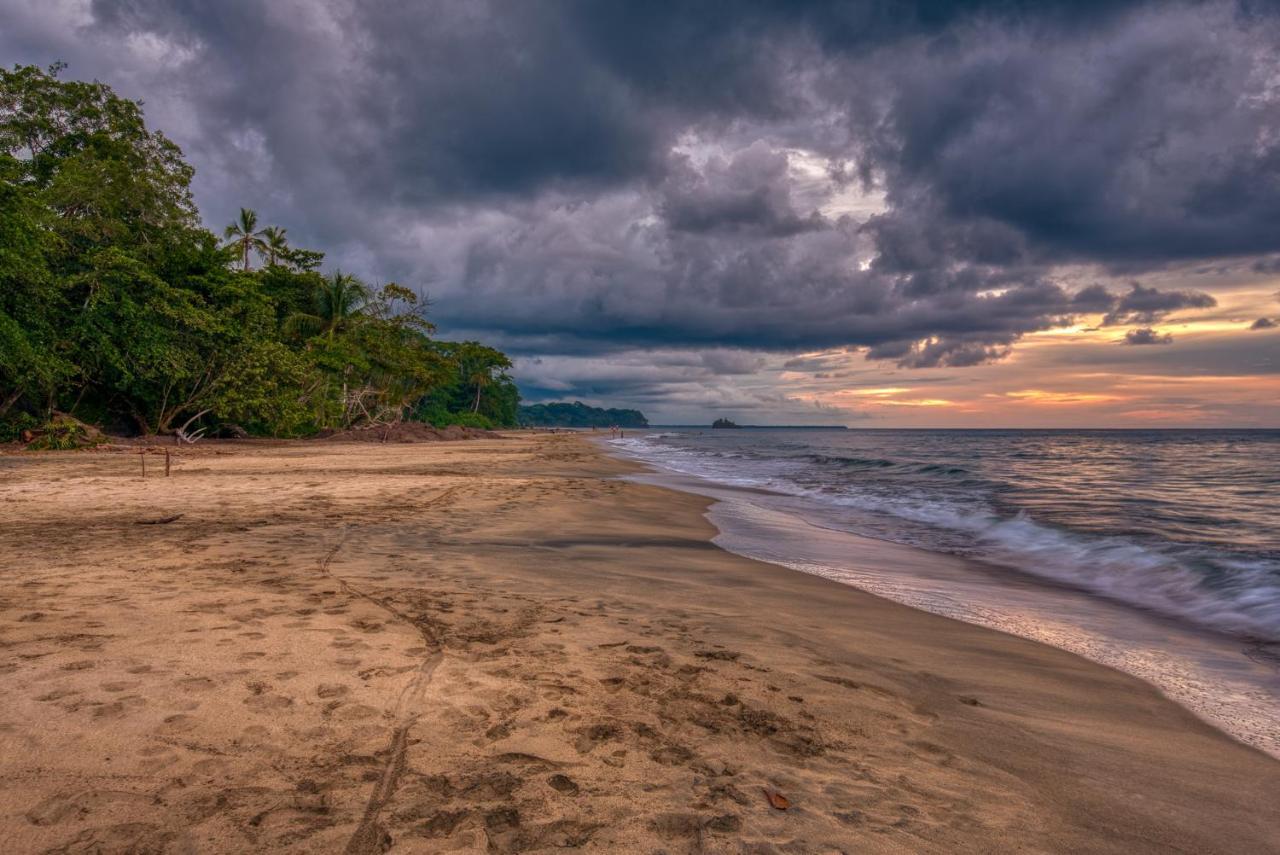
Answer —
118 307
579 414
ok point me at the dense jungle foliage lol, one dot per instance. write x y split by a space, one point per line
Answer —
119 308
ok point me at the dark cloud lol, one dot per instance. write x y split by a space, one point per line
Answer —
1137 141
956 351
586 177
1147 305
728 362
1146 335
749 194
1263 324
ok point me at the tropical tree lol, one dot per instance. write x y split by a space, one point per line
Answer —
31 298
337 301
275 245
480 378
118 308
245 235
478 371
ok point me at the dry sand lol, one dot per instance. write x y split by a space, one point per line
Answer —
494 646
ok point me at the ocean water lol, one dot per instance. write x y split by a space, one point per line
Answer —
1156 552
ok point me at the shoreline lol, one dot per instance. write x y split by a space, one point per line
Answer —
499 645
1216 676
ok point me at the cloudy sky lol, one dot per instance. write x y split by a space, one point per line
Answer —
868 213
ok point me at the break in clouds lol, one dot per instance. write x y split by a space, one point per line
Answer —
583 182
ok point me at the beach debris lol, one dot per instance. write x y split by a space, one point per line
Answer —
776 799
62 432
181 435
159 520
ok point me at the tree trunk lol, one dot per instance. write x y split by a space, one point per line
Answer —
475 408
143 424
10 401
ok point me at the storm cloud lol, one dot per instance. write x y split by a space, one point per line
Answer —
1147 305
1146 335
921 183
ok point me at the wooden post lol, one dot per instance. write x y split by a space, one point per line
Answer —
166 463
142 455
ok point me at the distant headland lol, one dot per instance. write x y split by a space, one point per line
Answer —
578 415
722 423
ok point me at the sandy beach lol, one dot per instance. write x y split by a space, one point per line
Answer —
497 646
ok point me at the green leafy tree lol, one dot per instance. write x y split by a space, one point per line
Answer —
160 346
380 355
31 364
271 389
303 260
117 307
477 383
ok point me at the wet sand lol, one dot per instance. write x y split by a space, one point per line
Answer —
1231 682
496 646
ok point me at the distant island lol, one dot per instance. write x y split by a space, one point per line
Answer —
578 414
724 423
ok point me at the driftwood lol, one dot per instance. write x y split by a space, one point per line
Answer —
190 438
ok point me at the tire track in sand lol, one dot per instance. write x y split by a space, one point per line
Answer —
369 837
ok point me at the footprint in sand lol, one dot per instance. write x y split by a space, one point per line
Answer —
179 723
563 784
267 701
355 712
196 684
117 686
118 709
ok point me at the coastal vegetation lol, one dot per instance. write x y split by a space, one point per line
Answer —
578 414
119 308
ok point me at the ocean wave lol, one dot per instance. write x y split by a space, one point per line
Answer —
1229 595
852 462
1193 582
904 466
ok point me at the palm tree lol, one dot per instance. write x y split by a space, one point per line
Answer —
275 245
242 233
479 378
338 299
